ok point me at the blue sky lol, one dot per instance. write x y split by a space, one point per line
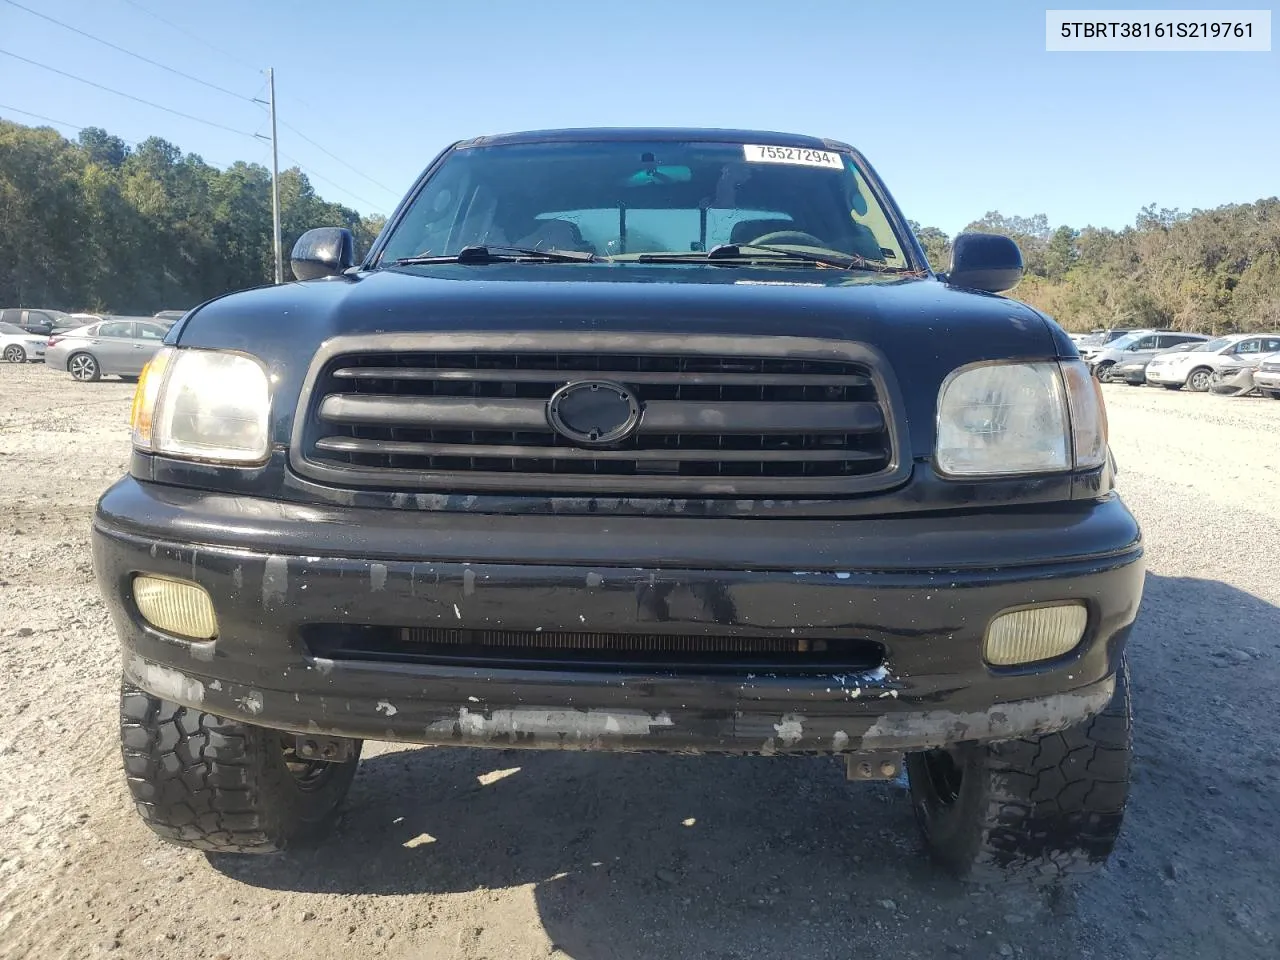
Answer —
958 106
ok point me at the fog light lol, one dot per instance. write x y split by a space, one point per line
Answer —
176 606
1034 634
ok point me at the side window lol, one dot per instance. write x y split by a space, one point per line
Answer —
1147 343
1247 347
1271 345
115 328
150 331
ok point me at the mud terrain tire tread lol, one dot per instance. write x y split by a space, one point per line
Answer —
202 781
1040 810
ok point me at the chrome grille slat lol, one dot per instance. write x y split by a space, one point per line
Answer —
660 416
629 376
408 448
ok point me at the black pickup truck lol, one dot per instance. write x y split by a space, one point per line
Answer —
629 440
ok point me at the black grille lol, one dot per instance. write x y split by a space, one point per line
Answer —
724 424
587 650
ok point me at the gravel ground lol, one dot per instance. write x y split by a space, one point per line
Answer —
469 854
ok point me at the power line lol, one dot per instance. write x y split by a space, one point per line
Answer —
41 116
127 96
289 126
78 128
199 39
136 56
316 176
186 76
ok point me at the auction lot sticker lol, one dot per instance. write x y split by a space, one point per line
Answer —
760 153
1132 31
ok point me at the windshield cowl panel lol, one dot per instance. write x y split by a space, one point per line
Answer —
617 201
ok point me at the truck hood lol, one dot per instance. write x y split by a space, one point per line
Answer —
924 328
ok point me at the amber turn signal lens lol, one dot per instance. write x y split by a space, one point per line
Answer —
146 396
1035 634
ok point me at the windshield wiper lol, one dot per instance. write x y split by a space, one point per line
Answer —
500 253
729 252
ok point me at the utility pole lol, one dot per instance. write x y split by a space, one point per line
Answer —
275 180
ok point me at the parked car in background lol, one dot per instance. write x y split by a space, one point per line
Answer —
1135 347
1195 369
119 346
1095 342
32 321
1267 377
1247 357
1134 372
171 315
19 346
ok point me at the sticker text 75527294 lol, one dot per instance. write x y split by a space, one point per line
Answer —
762 153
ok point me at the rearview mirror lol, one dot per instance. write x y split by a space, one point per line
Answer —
985 261
323 252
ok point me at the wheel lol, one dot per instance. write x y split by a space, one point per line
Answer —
1040 809
1105 372
15 354
84 367
128 378
1273 394
1172 386
1199 380
224 786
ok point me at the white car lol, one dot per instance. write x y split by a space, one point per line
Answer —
1267 377
1196 368
18 346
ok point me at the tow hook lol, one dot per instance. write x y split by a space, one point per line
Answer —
311 746
873 766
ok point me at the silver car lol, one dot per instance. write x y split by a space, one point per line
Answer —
19 346
1134 347
118 345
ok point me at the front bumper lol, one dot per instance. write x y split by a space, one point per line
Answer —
1162 376
1266 380
924 587
1136 373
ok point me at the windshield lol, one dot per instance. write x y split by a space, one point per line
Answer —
1127 340
11 329
1213 346
619 200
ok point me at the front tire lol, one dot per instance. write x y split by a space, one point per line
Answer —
84 367
1105 372
1273 394
15 354
202 781
1041 809
1200 380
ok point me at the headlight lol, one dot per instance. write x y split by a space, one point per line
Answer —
1011 418
203 405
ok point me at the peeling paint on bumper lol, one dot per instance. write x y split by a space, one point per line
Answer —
932 689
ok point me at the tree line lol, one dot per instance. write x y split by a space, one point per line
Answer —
94 224
1211 271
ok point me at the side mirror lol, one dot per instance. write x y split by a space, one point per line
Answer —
323 252
985 261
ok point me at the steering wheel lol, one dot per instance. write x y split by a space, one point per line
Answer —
796 237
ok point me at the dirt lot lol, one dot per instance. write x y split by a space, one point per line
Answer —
462 854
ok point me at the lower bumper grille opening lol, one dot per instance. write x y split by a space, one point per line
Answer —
564 650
